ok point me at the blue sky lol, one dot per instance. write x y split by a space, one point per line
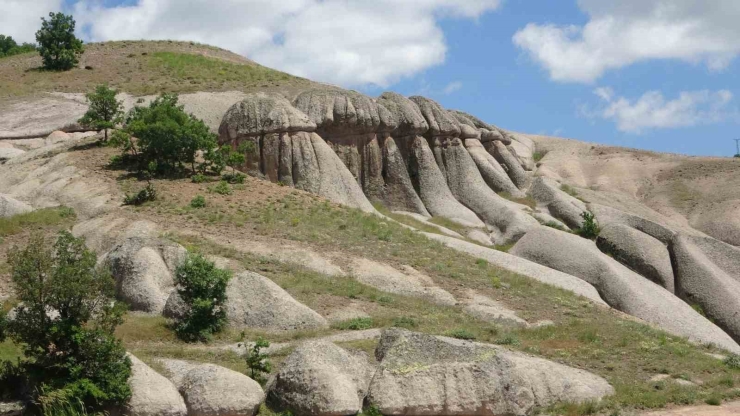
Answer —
650 74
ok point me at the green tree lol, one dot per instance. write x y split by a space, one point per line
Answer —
59 47
590 228
167 136
202 287
65 323
104 110
8 47
257 360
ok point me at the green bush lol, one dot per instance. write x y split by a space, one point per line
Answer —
405 322
202 286
222 188
8 47
257 361
104 111
167 137
590 228
733 361
234 178
356 324
65 322
198 202
59 47
461 334
145 195
199 178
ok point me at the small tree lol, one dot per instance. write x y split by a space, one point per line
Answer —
8 47
257 361
104 111
59 47
590 228
202 287
65 323
168 136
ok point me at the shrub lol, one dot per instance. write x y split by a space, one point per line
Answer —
234 178
8 47
222 188
202 286
104 112
356 324
65 322
590 228
461 334
145 195
257 361
737 155
507 340
733 361
537 156
713 401
167 137
198 202
405 322
199 178
59 47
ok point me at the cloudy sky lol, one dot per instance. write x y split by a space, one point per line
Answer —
653 74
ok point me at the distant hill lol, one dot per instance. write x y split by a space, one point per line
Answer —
142 68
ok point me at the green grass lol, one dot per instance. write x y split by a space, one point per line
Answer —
356 324
450 225
539 155
36 220
569 190
198 69
585 336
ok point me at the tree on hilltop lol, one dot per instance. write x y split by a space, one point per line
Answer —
9 47
59 47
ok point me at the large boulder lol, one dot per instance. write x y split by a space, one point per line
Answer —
441 123
211 390
491 170
261 113
255 301
431 184
559 204
429 375
321 379
619 286
708 274
339 112
143 269
10 206
638 251
468 186
509 162
151 393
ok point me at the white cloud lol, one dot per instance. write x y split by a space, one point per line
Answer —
453 87
22 18
653 111
622 32
346 42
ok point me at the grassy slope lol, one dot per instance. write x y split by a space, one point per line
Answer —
142 68
625 352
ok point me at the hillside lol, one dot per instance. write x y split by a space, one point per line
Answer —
387 244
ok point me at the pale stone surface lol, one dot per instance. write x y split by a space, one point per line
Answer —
151 393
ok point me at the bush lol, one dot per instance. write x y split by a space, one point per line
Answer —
461 334
59 48
202 286
199 178
257 361
222 188
356 324
104 111
8 47
167 137
590 228
234 178
65 322
145 195
733 361
198 202
405 322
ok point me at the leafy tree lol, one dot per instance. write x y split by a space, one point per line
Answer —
8 47
104 111
65 323
257 361
59 47
590 228
167 136
202 286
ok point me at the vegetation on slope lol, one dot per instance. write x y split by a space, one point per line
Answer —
143 68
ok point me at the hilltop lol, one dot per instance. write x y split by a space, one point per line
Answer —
388 243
